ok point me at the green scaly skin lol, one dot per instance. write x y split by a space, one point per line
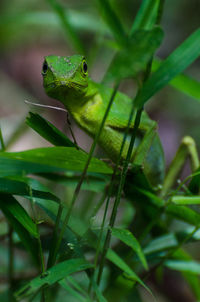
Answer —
66 79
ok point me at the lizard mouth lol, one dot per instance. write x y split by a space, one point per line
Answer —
64 84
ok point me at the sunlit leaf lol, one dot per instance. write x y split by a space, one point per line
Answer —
43 160
185 200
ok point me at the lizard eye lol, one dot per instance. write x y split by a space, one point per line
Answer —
84 67
44 68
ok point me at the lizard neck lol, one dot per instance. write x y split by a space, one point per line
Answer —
87 109
74 101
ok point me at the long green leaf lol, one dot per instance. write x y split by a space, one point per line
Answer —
153 198
22 187
161 243
76 285
53 275
43 160
185 200
11 205
76 224
192 280
112 21
119 262
67 27
98 293
95 183
183 213
72 291
81 21
183 83
146 15
48 130
127 237
8 204
177 62
191 266
135 55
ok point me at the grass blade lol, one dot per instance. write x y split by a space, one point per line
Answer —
112 21
119 262
44 160
7 204
146 15
69 30
53 275
183 83
127 237
177 62
136 55
22 187
183 213
185 200
48 131
11 205
190 266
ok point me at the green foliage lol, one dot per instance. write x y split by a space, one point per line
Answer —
53 275
48 131
138 51
177 62
57 200
127 237
44 160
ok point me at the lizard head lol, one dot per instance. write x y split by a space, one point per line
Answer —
65 76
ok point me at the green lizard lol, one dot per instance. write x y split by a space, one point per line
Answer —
66 79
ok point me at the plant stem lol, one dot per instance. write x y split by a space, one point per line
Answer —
10 241
69 30
55 236
41 256
109 194
78 187
160 12
118 197
128 157
99 244
11 261
2 141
